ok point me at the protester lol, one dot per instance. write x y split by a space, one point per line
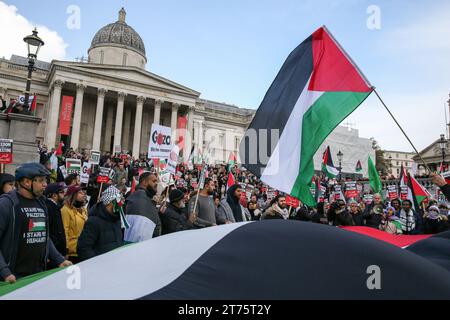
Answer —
435 222
102 231
374 217
174 218
141 210
55 201
254 208
230 209
120 173
25 246
338 214
74 216
396 204
203 205
277 209
387 224
438 180
72 180
411 222
6 183
357 215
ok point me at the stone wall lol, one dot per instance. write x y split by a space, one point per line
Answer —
22 130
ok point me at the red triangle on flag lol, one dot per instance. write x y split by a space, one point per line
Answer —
231 182
330 63
33 104
59 150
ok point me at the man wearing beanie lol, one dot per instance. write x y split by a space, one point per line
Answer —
102 231
174 219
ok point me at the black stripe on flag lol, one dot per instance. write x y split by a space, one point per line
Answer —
277 259
278 104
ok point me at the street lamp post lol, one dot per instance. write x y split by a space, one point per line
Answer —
443 145
34 44
340 156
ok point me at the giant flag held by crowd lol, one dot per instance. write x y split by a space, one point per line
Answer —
214 264
317 88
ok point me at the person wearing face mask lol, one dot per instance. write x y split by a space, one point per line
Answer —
55 200
102 232
174 218
74 216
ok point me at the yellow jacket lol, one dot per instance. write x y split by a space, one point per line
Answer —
73 220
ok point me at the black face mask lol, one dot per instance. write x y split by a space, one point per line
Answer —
78 204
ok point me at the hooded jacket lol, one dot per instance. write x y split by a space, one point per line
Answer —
230 209
101 234
174 220
10 234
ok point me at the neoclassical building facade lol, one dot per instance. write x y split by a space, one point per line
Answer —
116 99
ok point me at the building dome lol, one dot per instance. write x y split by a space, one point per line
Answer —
114 36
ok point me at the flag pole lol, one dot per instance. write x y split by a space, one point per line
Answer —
403 131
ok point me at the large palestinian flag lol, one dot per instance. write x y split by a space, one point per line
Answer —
317 88
229 263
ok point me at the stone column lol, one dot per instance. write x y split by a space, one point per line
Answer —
3 94
98 119
76 127
108 129
126 130
174 120
137 127
119 120
53 115
200 136
189 134
157 117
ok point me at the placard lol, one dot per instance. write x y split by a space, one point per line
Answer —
103 175
160 144
73 166
95 157
6 151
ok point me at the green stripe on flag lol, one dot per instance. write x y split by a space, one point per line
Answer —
6 288
318 122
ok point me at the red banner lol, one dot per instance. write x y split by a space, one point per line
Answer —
6 151
292 202
182 124
65 117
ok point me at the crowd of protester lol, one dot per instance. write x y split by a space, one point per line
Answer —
49 220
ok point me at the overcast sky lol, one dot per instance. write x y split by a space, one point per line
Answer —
231 50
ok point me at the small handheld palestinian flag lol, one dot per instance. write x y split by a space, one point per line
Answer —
327 165
358 166
231 182
59 151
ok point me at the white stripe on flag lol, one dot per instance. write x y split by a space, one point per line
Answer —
129 273
284 164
